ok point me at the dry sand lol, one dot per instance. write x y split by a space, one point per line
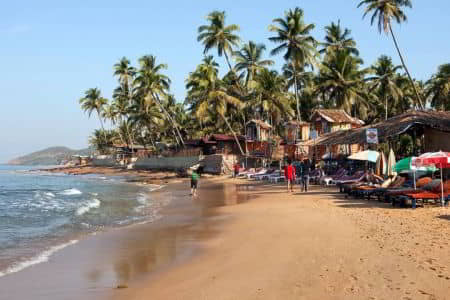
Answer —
316 245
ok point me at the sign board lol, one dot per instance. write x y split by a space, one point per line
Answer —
313 134
372 136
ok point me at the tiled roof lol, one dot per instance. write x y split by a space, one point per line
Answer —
260 123
336 116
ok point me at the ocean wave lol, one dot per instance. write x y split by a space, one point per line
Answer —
70 192
42 257
49 194
94 203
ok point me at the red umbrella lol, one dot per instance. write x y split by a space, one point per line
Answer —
440 159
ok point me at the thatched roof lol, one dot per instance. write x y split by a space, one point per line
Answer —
336 116
389 128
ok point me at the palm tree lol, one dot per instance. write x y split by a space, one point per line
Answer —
384 81
271 97
385 11
294 38
125 72
342 82
102 140
152 85
249 59
217 35
93 101
208 95
438 88
337 39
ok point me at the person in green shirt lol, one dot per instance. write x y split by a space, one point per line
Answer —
194 182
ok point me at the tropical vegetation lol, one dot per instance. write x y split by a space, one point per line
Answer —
318 72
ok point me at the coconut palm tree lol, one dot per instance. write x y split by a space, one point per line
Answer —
152 85
384 82
271 97
93 101
337 39
341 81
217 35
386 11
249 60
125 73
208 95
438 88
103 140
295 40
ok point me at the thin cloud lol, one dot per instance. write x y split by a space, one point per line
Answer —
17 29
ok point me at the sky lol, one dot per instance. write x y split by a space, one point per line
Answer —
52 51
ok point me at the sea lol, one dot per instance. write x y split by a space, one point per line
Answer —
42 213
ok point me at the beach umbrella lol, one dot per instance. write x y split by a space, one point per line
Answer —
391 163
439 159
380 168
409 165
368 155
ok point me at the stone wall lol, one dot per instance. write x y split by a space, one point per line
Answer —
104 161
166 163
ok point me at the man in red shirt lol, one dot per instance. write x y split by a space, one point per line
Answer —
289 175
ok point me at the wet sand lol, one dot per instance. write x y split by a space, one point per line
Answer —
98 265
316 245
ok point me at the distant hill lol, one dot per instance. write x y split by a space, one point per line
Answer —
49 156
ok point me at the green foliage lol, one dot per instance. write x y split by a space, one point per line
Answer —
144 111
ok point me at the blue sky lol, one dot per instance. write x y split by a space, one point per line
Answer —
52 51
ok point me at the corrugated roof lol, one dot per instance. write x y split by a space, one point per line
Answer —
336 116
389 128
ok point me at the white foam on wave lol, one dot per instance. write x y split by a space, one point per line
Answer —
43 257
94 203
72 191
49 194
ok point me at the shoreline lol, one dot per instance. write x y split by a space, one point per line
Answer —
246 240
173 240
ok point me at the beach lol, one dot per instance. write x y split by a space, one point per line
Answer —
244 240
316 245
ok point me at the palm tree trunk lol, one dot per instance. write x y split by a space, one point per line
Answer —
299 118
234 134
419 99
169 117
226 58
385 100
101 125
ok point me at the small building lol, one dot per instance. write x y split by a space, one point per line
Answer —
325 121
224 144
331 120
258 142
296 131
257 130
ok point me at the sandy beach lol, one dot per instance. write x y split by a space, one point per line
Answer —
316 245
242 240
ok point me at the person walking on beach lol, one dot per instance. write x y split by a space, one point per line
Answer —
305 179
194 182
289 175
